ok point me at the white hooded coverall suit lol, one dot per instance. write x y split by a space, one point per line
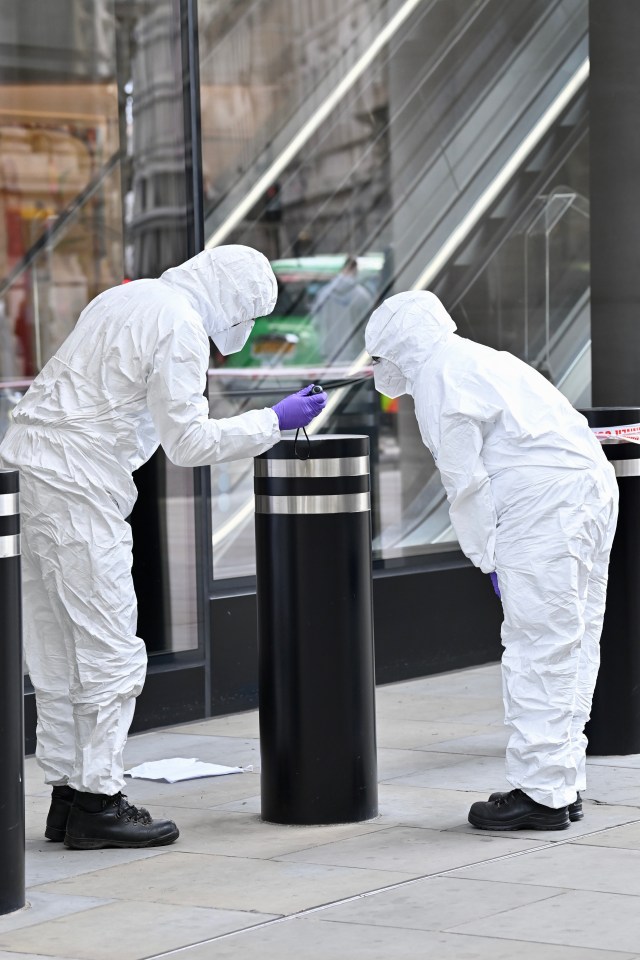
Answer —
130 376
532 497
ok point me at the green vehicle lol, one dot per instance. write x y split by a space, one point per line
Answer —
287 337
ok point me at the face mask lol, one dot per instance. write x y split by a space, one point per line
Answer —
388 378
234 338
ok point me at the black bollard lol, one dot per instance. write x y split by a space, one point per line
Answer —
12 881
315 631
614 727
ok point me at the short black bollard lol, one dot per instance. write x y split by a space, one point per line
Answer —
614 727
315 632
12 881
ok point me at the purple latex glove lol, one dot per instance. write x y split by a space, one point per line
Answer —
299 409
496 585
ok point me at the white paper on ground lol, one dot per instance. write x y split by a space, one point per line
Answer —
179 768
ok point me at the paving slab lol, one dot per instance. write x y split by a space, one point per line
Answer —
420 705
417 851
41 907
465 772
400 733
313 939
577 919
246 835
625 836
46 862
437 903
229 883
570 866
115 930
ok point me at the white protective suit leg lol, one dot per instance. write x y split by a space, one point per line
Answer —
589 661
80 546
55 750
552 569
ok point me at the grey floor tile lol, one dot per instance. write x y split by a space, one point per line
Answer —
436 903
608 784
246 835
631 761
230 883
247 805
423 806
412 850
570 866
626 836
230 751
603 921
400 734
46 862
422 705
489 742
34 779
4 955
244 724
413 763
128 931
484 681
446 771
312 939
46 906
400 804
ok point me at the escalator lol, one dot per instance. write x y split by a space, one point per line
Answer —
483 107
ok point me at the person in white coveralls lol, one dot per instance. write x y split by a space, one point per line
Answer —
534 503
130 376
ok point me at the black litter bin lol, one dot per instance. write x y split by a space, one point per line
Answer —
12 817
315 631
614 727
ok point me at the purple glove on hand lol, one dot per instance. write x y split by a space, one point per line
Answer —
496 585
299 409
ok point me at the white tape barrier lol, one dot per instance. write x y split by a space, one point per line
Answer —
629 433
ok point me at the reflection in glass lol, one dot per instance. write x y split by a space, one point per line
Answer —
426 137
92 193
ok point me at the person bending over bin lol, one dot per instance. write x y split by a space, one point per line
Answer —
131 376
534 503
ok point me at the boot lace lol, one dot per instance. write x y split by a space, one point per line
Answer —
126 811
506 798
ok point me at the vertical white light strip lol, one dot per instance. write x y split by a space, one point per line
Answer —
310 127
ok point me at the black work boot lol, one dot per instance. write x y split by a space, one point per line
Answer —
97 820
516 811
61 800
575 808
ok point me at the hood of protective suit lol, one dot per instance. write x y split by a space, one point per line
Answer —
406 330
229 287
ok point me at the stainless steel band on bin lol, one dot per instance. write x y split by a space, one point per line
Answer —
9 523
626 468
329 467
317 485
314 503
